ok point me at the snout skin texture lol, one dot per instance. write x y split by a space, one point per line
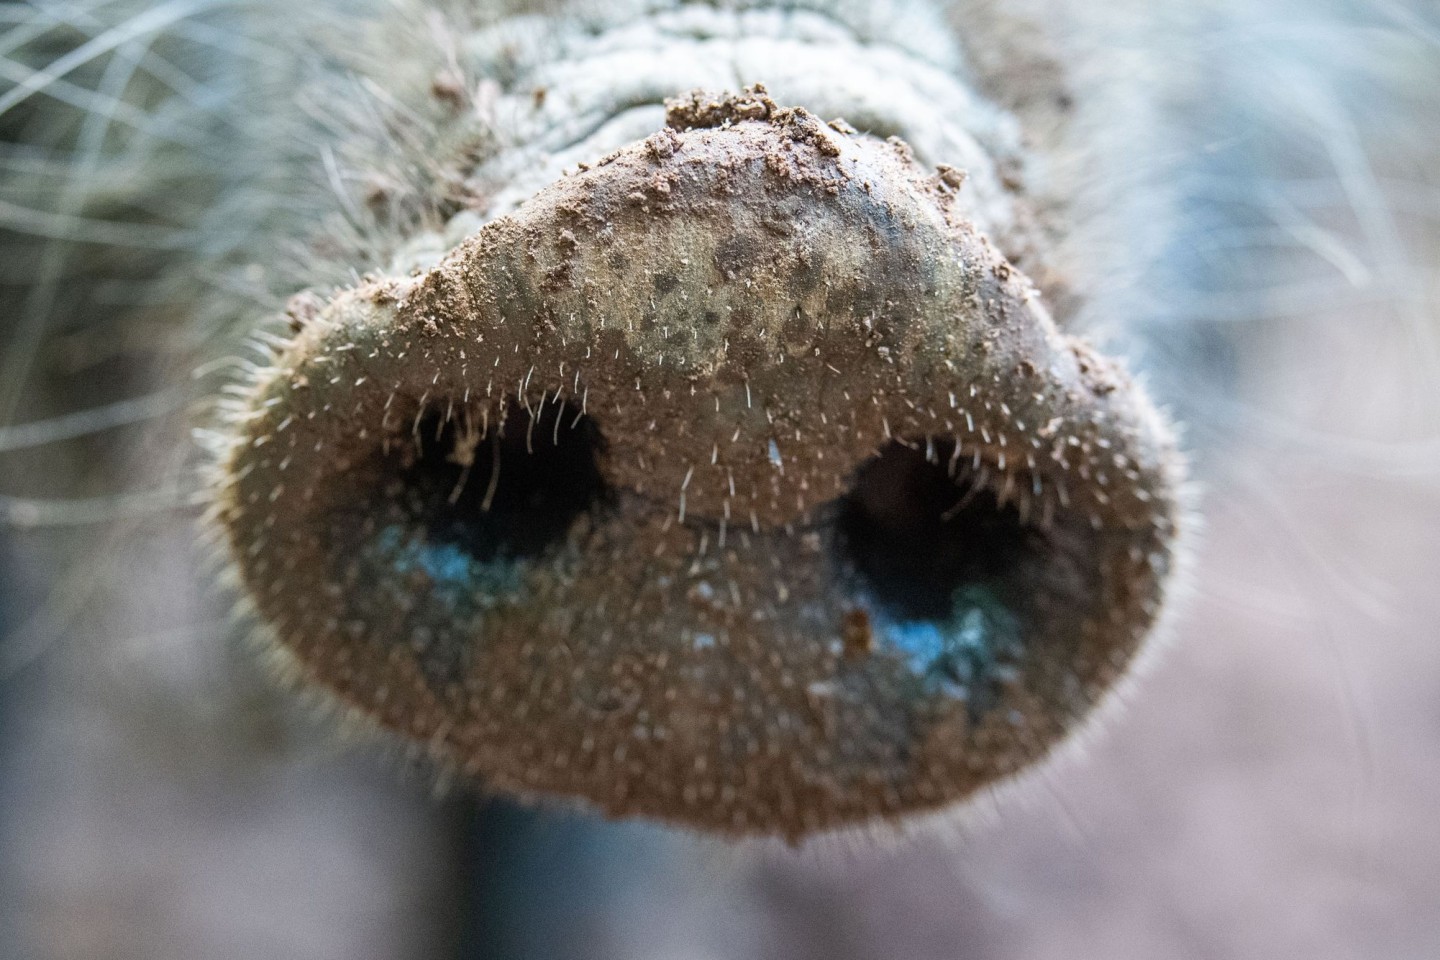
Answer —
736 481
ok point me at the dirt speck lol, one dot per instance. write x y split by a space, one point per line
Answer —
856 635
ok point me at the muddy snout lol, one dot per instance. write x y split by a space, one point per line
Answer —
736 481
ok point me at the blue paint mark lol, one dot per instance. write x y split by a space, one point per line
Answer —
775 454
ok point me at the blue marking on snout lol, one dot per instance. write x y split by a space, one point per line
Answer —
967 654
456 577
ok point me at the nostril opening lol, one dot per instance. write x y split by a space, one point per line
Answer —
919 528
508 492
961 581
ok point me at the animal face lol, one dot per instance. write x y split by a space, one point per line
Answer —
791 461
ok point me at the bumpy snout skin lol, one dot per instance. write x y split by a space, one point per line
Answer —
690 407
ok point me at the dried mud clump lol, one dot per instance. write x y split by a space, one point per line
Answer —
736 481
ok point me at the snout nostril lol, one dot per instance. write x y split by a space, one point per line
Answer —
509 492
917 529
447 526
961 584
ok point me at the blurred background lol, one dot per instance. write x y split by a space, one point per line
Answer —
1270 790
